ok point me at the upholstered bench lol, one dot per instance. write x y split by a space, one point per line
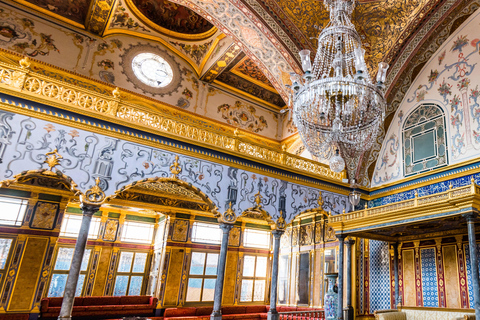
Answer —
423 313
101 306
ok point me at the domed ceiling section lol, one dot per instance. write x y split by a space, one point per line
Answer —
173 17
76 11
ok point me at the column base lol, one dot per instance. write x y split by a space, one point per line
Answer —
65 318
273 315
216 315
348 313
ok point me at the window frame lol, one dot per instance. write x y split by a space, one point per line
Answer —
130 274
82 272
90 236
23 203
202 276
244 238
196 223
124 227
255 279
3 272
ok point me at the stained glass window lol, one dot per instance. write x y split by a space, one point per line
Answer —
152 70
130 273
206 233
202 277
13 211
5 246
139 232
424 140
256 238
61 268
254 277
71 226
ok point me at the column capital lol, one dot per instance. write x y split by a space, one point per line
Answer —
470 216
277 233
89 209
341 237
350 242
226 227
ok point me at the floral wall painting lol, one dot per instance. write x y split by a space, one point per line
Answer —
447 80
124 19
243 116
195 51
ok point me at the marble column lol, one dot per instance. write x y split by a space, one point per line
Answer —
222 261
472 245
341 239
74 272
395 271
348 279
272 313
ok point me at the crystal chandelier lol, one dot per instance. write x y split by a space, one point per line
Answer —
335 104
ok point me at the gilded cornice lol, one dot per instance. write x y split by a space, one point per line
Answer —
436 206
175 124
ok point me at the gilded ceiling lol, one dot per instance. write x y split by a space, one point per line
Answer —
380 23
172 16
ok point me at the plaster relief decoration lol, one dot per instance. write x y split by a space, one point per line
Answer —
124 19
111 227
306 235
180 230
234 237
194 51
44 216
243 116
447 80
148 75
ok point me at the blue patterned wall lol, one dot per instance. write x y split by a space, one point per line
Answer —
117 163
379 276
426 190
469 272
429 278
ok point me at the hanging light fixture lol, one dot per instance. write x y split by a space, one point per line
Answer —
335 104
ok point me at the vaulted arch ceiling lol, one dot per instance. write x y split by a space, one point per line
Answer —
269 33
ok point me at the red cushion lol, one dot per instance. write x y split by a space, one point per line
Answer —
101 301
256 309
233 310
304 309
44 305
55 302
204 311
78 301
135 300
177 312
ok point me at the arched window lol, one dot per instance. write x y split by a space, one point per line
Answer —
424 140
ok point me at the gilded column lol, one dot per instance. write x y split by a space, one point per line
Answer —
226 224
277 234
91 202
472 245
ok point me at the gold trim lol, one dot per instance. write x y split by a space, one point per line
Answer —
49 13
210 51
167 32
424 183
168 147
248 96
235 71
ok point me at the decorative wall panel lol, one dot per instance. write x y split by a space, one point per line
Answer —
379 276
429 278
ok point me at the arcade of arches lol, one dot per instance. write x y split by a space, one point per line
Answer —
150 167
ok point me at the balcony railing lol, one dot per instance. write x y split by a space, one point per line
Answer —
302 315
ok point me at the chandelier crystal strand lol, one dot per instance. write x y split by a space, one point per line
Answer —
335 103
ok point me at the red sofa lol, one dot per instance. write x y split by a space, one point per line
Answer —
228 312
101 306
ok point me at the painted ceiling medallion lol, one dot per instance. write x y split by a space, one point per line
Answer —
151 69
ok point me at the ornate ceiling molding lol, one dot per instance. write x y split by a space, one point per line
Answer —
98 15
258 42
